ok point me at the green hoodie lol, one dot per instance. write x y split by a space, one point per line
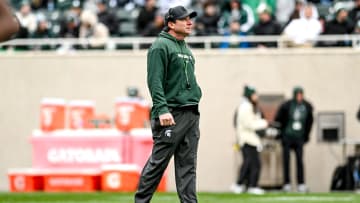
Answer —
170 75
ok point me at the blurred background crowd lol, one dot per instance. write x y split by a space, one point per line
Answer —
299 20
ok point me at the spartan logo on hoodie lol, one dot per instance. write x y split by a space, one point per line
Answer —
185 57
168 133
297 119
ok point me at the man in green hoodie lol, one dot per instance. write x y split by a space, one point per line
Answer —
174 114
296 118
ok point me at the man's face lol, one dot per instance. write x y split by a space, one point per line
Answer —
254 98
299 97
182 27
308 12
101 7
342 15
264 17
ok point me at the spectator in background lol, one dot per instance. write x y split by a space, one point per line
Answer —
339 25
299 11
237 20
315 13
284 9
249 120
94 33
70 26
296 118
358 114
43 28
266 26
303 32
106 17
254 4
207 23
8 23
354 14
155 27
299 5
236 17
146 16
27 20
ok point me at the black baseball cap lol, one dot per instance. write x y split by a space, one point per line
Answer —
178 12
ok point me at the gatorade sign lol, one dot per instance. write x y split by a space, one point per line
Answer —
83 155
78 151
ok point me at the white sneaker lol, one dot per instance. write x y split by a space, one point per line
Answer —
237 189
256 191
287 188
302 188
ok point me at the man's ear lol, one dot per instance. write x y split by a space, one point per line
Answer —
171 25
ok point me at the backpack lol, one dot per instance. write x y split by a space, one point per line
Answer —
338 181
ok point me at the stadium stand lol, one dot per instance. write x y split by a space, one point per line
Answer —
58 12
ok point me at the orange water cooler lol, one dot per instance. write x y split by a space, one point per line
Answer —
52 114
120 178
71 180
25 180
80 114
131 113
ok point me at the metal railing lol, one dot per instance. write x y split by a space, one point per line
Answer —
205 42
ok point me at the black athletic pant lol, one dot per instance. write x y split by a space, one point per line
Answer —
251 166
296 145
181 141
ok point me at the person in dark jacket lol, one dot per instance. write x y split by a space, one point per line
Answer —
340 25
266 26
175 115
146 17
358 115
153 29
108 18
8 23
207 24
354 14
296 118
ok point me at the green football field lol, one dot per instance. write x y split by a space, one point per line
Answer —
172 198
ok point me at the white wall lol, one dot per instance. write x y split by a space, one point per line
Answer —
330 79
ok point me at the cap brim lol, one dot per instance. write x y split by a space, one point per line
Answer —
191 14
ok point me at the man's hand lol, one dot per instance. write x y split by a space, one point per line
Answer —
166 119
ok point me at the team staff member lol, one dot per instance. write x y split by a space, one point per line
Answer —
8 22
296 119
249 120
174 115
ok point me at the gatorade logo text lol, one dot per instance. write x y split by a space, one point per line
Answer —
83 155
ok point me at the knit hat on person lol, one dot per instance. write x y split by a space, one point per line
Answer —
248 91
297 90
177 13
263 8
